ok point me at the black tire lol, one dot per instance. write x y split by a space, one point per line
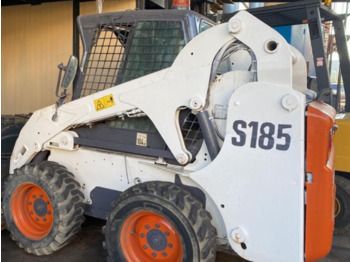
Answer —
342 206
43 207
193 234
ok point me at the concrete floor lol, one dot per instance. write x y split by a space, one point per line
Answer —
88 247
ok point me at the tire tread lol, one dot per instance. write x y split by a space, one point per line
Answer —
191 208
68 198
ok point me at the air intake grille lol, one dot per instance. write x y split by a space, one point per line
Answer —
191 131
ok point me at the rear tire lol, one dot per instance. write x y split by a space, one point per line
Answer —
43 207
159 221
342 206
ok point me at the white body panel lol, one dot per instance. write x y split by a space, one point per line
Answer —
254 195
262 191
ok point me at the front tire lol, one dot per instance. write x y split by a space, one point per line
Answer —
43 207
159 221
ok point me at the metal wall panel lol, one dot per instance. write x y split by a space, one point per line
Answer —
34 40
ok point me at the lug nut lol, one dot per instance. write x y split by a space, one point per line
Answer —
164 254
37 219
157 226
154 254
41 196
147 226
142 235
29 203
170 245
144 246
44 219
48 212
167 233
34 196
31 212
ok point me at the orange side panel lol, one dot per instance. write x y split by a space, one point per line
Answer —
320 194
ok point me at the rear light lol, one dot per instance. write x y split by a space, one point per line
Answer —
181 4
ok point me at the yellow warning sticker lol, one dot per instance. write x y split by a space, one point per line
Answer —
104 102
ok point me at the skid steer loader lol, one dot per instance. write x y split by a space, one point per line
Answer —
184 136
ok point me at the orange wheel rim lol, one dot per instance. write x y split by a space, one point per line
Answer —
32 211
147 236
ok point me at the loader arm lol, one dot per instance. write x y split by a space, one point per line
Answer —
183 84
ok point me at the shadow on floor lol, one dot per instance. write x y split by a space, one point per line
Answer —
88 247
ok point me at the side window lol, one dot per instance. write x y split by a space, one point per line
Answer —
204 25
154 46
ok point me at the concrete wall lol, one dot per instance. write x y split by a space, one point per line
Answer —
34 40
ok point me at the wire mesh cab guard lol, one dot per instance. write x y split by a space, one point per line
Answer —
119 47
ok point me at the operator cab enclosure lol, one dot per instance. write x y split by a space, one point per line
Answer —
119 47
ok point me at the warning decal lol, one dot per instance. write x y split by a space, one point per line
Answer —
104 102
319 61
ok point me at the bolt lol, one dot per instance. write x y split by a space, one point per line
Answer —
290 101
196 103
154 254
157 226
167 233
29 203
34 196
36 147
41 196
164 254
181 158
64 140
238 235
147 226
235 25
142 235
170 245
144 246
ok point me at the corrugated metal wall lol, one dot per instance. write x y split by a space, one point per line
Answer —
34 40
